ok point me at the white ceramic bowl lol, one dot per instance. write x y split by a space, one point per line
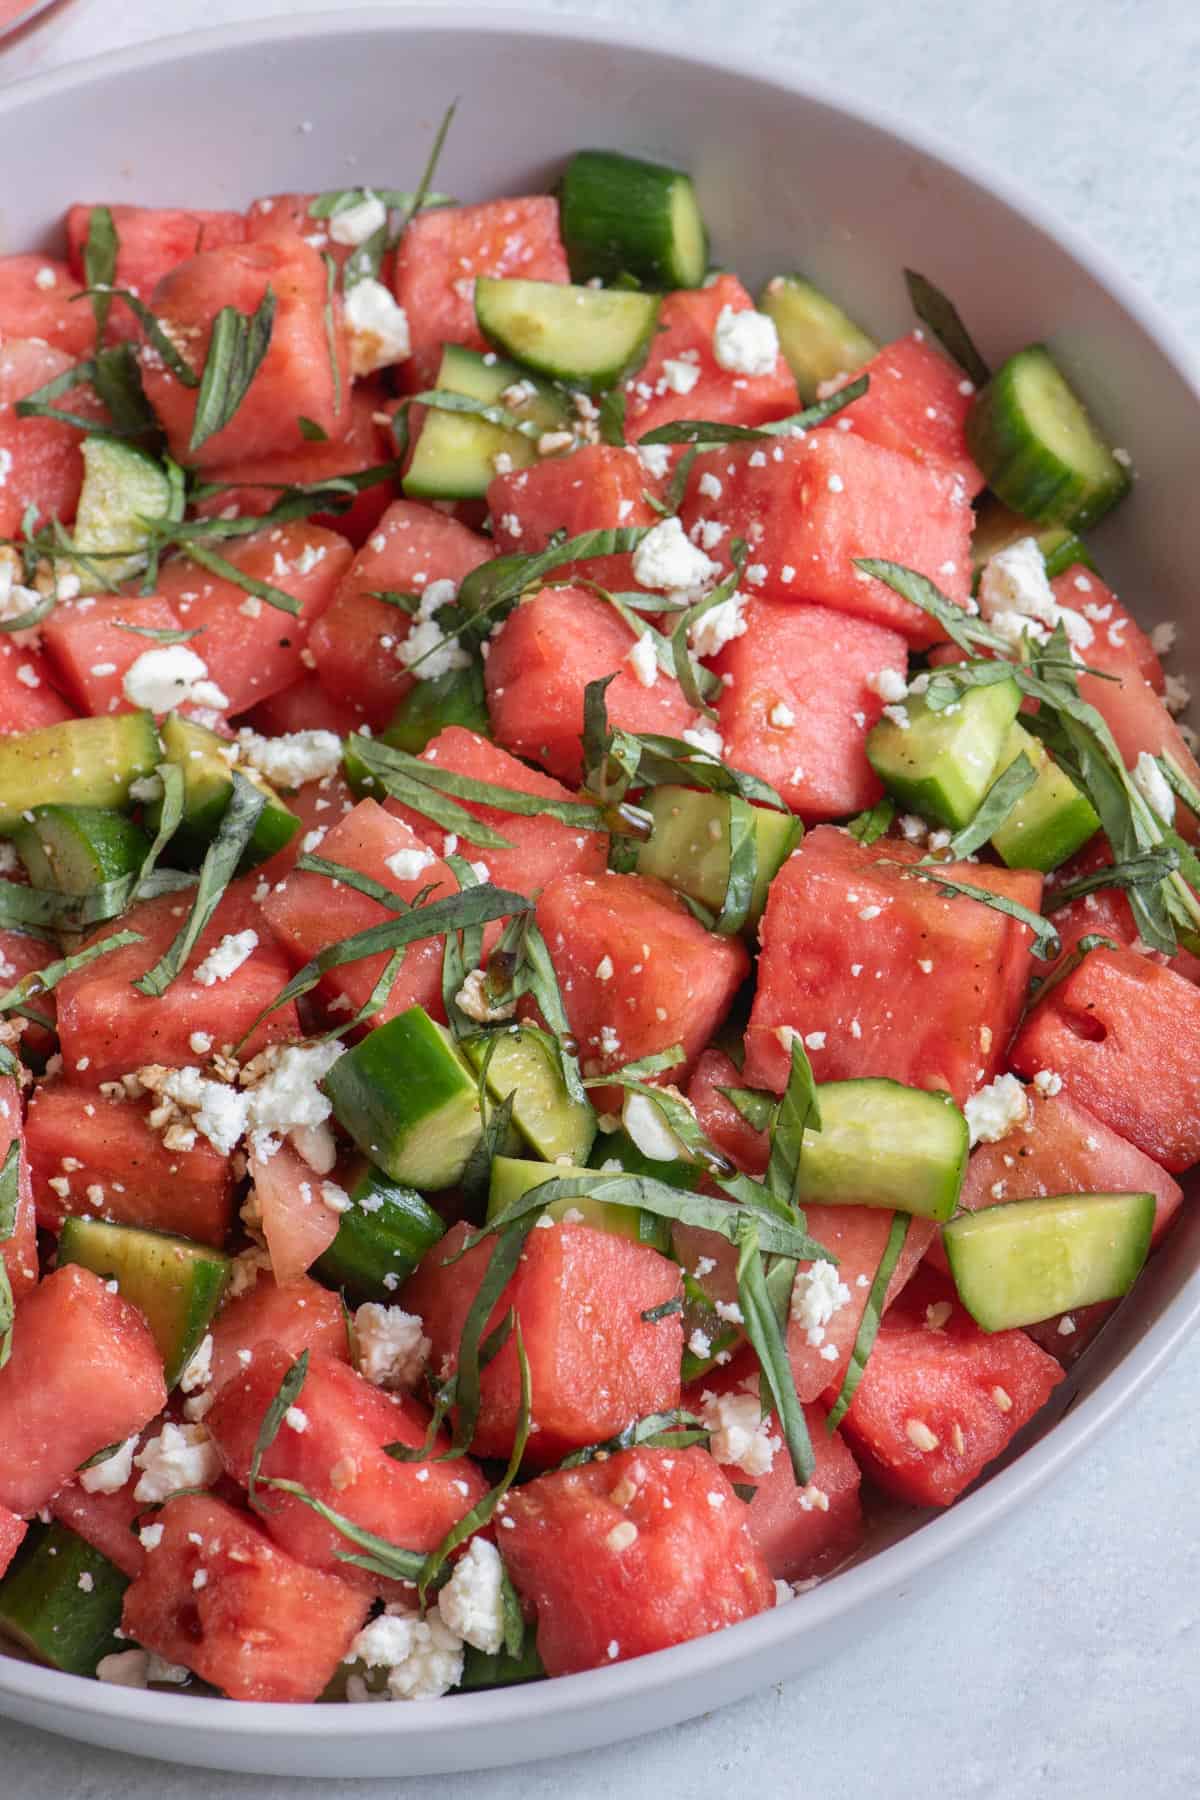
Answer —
788 176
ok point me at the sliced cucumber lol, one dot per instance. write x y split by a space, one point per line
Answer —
176 1283
817 338
511 1178
1027 1260
455 698
689 846
122 489
996 529
455 457
61 1601
620 215
380 1240
81 762
942 763
524 1062
207 790
408 1100
1051 820
588 337
501 1670
1037 447
75 849
884 1144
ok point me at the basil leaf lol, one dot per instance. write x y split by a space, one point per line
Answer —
1149 869
353 878
766 1336
10 1191
384 762
272 1419
707 431
995 807
968 632
495 586
311 431
159 340
743 868
383 1558
100 264
869 1324
1180 783
514 1618
656 1064
538 977
1046 942
611 418
42 981
249 584
506 1253
677 488
448 401
942 317
39 403
216 872
666 1309
238 344
101 1456
798 1112
874 823
117 379
756 1105
659 1431
423 197
160 636
336 200
7 1314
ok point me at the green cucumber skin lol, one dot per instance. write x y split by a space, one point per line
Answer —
81 762
818 340
454 457
528 321
513 1177
619 216
207 791
74 849
524 1063
682 851
177 1284
1051 821
1023 1261
388 1240
926 772
869 1151
44 1609
1023 472
399 1086
455 698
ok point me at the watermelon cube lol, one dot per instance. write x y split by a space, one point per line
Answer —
355 645
28 697
655 394
287 216
304 374
917 403
95 1156
882 975
258 1624
42 464
18 1251
541 661
1103 1027
798 704
37 301
442 252
579 1295
749 1149
106 1521
937 1403
12 1532
19 955
857 1236
91 652
84 1372
598 488
808 507
151 241
1118 644
296 1223
302 1316
619 1558
304 706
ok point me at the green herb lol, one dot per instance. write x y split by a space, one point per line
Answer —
311 431
42 981
382 1558
769 1341
756 1105
32 616
117 379
394 769
495 586
874 823
697 682
743 868
995 807
331 345
238 344
656 1064
869 1324
100 264
611 418
216 872
969 633
406 602
506 1253
423 197
272 1419
1179 782
160 340
448 401
461 952
444 1395
942 317
514 1619
745 1490
1148 870
799 1111
1046 942
158 635
249 584
10 1195
708 432
538 978
667 1309
676 1430
39 404
354 878
337 200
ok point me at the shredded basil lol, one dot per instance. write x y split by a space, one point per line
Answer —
657 1431
874 823
272 1419
942 317
382 1558
495 586
42 981
236 348
869 1324
1046 942
1148 870
743 868
100 264
757 1106
667 1309
997 804
768 1339
611 418
216 872
398 773
799 1111
335 367
708 432
310 431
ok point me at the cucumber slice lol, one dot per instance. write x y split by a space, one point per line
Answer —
455 698
75 849
122 489
511 1178
942 764
501 1670
689 846
589 337
81 762
1037 447
620 215
61 1601
176 1283
380 1240
1027 1260
817 338
1051 820
996 528
455 454
524 1062
408 1100
207 791
884 1144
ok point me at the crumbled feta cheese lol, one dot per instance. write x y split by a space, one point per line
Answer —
817 1294
604 969
700 1345
646 1124
1066 1326
197 1371
288 1098
392 1348
410 864
996 1109
377 327
781 715
1154 787
472 998
168 675
704 738
1016 596
622 1535
655 459
710 486
218 1111
427 651
889 685
746 342
293 758
226 958
680 377
666 560
423 1657
1048 1081
719 626
295 1419
472 1601
353 225
1177 696
200 1043
643 660
181 1456
110 1475
740 1434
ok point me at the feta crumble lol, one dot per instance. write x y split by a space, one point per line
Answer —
427 652
643 660
996 1110
719 626
169 675
423 1657
740 1433
647 1126
293 758
472 998
665 559
817 1294
377 327
181 1456
353 225
411 863
109 1476
472 1602
746 342
226 958
392 1348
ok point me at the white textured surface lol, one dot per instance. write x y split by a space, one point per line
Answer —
1062 1658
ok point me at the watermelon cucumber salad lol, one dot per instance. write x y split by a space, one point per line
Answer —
598 932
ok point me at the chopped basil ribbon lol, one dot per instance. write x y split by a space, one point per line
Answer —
1148 870
874 823
272 1419
706 431
382 1557
658 1431
799 1111
159 339
995 807
941 315
10 1194
354 878
250 584
1046 942
495 586
310 431
404 777
158 635
337 200
743 868
41 981
449 401
611 418
666 1309
236 348
869 1324
216 872
100 264
768 1338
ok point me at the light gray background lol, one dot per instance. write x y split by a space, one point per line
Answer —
1062 1657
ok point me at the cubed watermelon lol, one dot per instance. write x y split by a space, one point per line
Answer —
302 1316
304 374
151 241
106 1521
619 1558
95 1156
304 706
881 974
296 1222
917 402
798 704
594 1361
808 507
857 1236
12 1532
91 651
84 1372
1118 644
28 697
541 661
40 458
598 488
19 955
720 1118
655 395
257 1624
18 1251
37 301
288 216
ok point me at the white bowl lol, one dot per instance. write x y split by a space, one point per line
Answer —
789 176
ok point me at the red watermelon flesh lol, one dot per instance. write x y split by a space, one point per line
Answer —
151 241
12 1532
304 706
40 458
19 955
18 1251
601 487
106 1521
687 321
720 1118
917 402
296 1222
302 1316
857 1236
288 216
28 697
91 652
34 306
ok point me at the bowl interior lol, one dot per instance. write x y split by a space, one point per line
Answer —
788 179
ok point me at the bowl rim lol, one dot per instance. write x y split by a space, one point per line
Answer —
864 1584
